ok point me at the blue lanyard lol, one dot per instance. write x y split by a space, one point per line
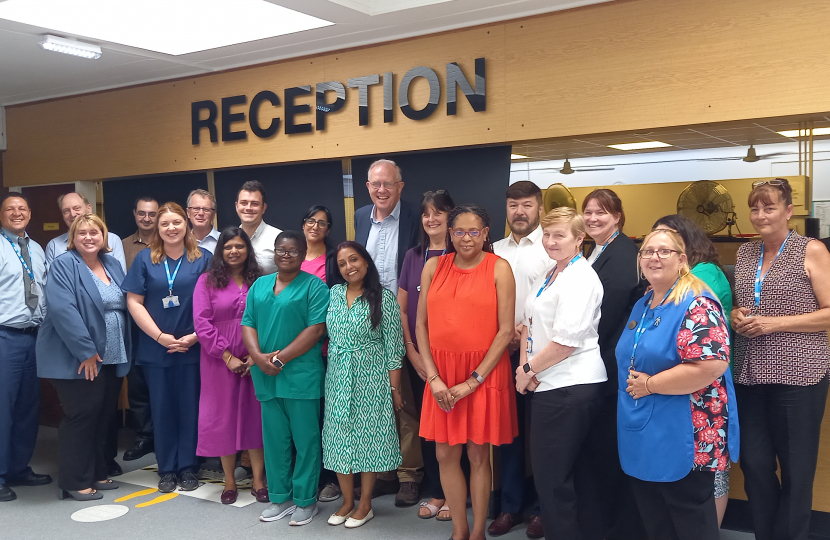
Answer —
553 271
758 279
426 254
605 245
641 328
170 280
19 256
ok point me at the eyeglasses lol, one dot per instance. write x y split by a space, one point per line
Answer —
143 214
200 209
473 234
778 182
387 185
311 222
284 252
661 253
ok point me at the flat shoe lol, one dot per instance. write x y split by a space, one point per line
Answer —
433 510
229 496
353 523
106 485
261 495
334 519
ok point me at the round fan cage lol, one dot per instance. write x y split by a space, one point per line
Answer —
708 204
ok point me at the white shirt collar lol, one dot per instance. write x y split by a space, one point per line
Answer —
396 213
534 236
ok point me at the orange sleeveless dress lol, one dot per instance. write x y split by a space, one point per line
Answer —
462 314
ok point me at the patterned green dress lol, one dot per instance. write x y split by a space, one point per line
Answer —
359 432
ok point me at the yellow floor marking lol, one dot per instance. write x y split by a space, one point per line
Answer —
136 494
161 498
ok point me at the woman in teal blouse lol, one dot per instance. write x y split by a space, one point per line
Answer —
703 260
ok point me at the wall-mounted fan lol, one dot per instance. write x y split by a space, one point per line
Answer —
557 195
708 204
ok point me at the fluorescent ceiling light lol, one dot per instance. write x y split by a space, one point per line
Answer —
639 145
171 27
517 156
805 132
71 46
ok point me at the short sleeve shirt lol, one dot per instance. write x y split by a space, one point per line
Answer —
278 321
150 280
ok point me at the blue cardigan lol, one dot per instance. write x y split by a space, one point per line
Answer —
74 327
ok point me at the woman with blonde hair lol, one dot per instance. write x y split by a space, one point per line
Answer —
676 411
560 362
159 288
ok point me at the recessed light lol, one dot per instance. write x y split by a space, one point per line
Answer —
805 132
517 156
639 145
175 28
71 46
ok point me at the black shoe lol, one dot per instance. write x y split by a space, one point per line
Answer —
114 469
7 493
30 479
188 481
141 448
167 484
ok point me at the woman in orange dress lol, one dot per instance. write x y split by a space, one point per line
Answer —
465 322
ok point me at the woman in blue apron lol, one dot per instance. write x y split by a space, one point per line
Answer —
677 420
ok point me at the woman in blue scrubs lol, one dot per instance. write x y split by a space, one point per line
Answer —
159 289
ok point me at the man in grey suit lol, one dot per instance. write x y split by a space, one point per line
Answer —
388 228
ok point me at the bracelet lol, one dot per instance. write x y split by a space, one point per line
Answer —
395 389
432 378
646 384
160 334
470 386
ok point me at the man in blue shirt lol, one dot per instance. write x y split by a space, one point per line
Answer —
22 308
73 205
388 228
201 209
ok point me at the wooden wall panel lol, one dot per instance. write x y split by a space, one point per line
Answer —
629 64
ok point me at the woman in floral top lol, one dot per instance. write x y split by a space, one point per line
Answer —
676 414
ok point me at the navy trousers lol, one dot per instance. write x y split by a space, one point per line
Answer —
174 402
19 402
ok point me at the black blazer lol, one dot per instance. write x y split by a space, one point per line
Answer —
409 233
617 270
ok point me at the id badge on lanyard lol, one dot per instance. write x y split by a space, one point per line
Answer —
171 301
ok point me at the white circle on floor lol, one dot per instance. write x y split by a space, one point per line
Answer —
100 513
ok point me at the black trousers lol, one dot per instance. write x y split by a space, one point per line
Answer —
680 510
780 422
559 424
431 469
607 509
139 397
82 435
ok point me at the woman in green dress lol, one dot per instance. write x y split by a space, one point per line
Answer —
362 382
703 260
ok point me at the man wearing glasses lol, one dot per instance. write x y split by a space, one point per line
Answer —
388 228
201 208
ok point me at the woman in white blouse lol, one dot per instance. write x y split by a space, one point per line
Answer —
561 364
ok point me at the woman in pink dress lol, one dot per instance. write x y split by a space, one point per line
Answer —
320 260
229 413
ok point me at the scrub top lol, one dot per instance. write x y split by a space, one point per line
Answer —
150 281
278 320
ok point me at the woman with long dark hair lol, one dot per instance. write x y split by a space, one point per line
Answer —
435 208
466 319
320 260
229 413
362 382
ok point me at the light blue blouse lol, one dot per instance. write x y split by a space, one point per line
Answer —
115 308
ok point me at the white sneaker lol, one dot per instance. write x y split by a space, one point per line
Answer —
278 511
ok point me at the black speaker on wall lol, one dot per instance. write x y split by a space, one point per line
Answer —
120 196
290 191
471 175
811 227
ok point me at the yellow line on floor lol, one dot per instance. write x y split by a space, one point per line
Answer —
137 494
161 498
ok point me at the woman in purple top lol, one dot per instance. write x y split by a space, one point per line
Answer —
435 207
229 413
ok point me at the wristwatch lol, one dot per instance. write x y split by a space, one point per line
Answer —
277 362
527 368
477 377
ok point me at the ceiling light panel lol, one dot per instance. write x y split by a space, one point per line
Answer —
517 156
639 145
805 132
170 27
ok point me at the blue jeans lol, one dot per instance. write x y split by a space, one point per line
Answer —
19 403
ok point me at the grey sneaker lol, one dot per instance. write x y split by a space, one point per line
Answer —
330 492
277 511
303 514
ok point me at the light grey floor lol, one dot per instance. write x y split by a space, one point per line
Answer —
38 514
